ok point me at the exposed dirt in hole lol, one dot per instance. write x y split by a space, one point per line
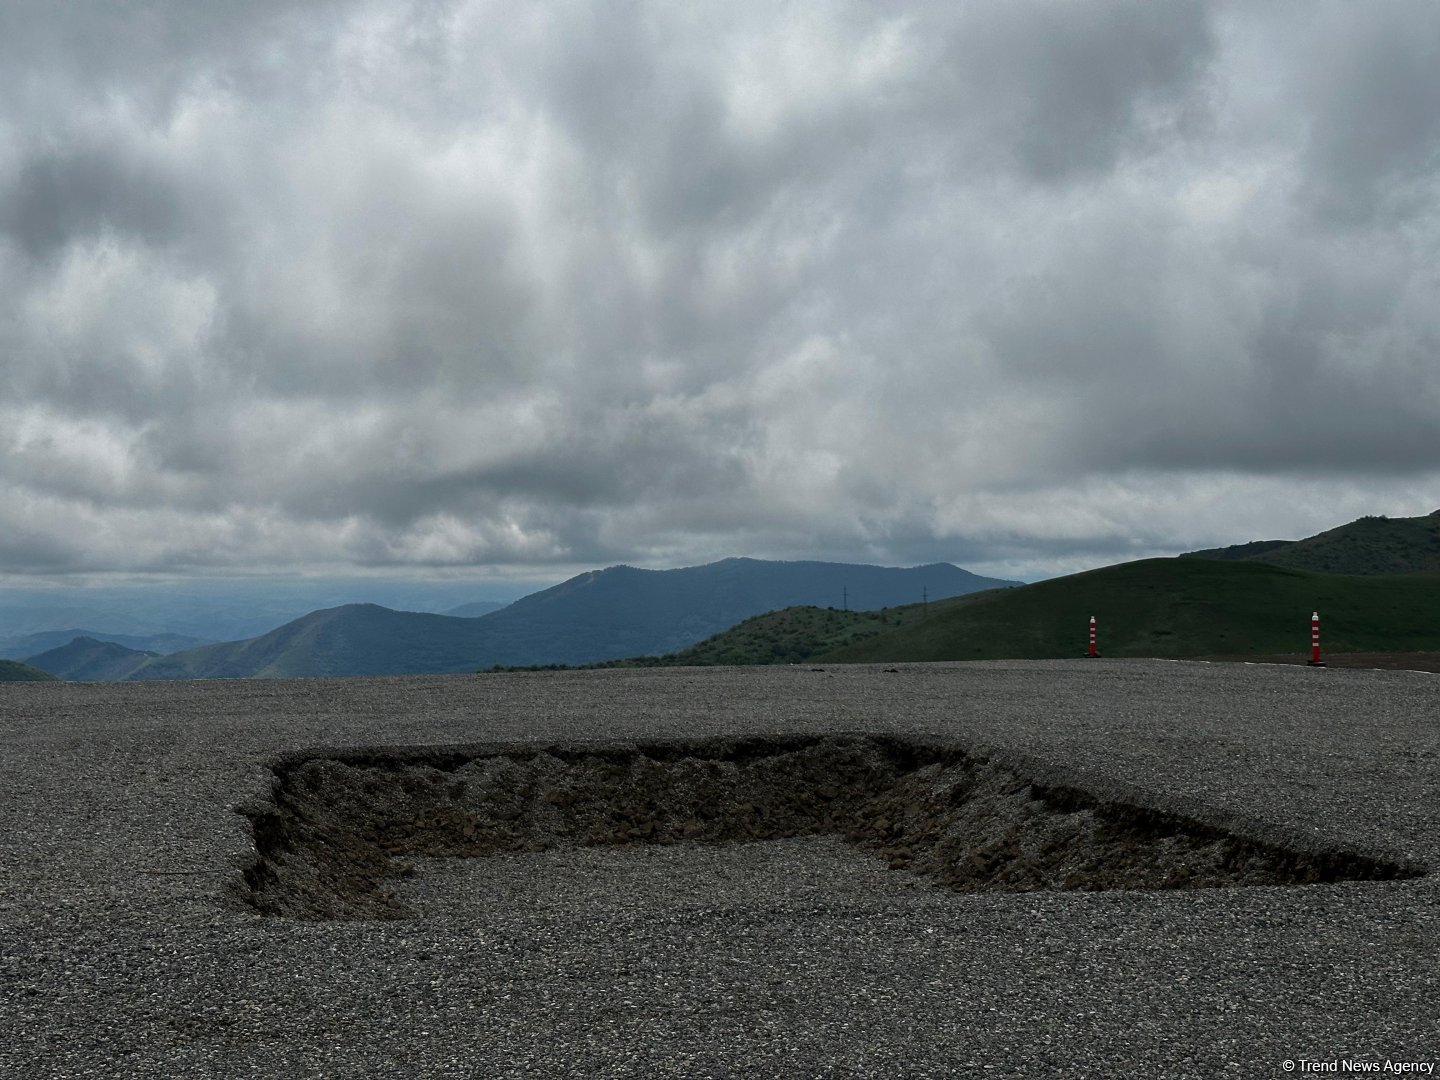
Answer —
341 827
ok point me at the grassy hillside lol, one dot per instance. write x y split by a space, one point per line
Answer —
14 671
793 635
788 636
1173 608
1370 545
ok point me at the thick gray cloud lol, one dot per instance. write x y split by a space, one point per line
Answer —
458 283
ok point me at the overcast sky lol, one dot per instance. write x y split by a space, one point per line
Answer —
515 289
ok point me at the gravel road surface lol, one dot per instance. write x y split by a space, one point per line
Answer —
124 951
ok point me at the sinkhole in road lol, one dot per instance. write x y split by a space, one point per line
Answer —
336 838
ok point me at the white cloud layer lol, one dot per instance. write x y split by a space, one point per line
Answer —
457 283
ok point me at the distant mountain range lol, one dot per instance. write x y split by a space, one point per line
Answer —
23 645
138 615
600 615
1369 545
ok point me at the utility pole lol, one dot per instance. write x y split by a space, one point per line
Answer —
845 598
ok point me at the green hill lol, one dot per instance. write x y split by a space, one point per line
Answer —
788 636
1170 608
793 635
14 671
1370 545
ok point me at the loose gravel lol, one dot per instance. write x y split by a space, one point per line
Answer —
133 938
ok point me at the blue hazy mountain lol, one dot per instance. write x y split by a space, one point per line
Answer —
86 659
23 645
476 609
208 610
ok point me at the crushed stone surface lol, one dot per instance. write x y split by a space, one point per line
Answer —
125 952
796 872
